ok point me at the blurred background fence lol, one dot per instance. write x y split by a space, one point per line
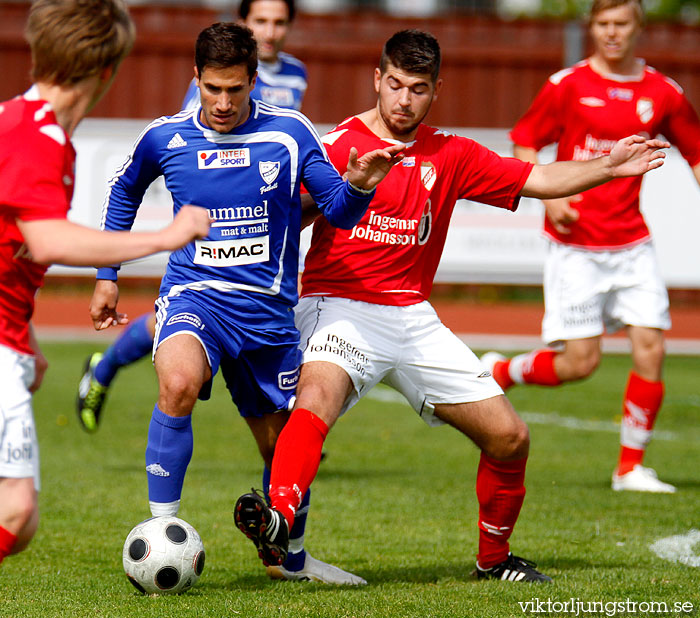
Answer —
492 69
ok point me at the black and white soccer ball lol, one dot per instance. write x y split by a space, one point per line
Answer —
163 555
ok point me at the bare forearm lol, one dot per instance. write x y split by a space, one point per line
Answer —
630 156
525 153
563 178
57 241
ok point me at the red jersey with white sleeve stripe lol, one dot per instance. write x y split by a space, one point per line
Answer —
391 255
37 163
585 113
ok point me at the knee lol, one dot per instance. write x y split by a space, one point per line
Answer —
512 442
578 366
23 518
179 391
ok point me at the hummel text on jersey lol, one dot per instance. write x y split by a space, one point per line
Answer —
238 213
232 252
378 226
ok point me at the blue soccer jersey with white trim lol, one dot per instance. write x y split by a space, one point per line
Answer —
282 83
249 180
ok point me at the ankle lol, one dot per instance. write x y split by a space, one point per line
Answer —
286 500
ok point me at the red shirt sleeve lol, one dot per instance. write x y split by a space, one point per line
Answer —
489 178
682 127
541 124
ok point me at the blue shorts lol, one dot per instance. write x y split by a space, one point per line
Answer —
260 365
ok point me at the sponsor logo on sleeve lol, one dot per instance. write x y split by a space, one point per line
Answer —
221 159
238 252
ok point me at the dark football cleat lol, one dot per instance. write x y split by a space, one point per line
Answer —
513 569
266 527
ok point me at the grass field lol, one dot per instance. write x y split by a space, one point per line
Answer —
393 502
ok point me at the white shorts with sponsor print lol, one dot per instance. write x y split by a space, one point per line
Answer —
407 348
19 452
589 292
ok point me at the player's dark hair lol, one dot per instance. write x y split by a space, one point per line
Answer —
412 51
226 44
244 8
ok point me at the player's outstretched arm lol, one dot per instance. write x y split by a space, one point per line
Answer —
631 156
559 211
367 171
59 241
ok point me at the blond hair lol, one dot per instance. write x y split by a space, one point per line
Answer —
75 39
603 5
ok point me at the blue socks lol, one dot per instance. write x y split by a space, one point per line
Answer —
168 454
134 343
297 554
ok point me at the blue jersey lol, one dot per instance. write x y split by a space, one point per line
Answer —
281 83
249 180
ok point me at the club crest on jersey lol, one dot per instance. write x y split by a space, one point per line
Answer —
220 159
269 170
645 109
428 174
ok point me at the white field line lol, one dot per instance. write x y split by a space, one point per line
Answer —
678 548
536 418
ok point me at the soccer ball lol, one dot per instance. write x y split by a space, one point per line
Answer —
163 555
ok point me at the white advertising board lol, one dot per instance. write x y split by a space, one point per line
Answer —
484 244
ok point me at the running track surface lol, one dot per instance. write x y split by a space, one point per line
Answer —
64 315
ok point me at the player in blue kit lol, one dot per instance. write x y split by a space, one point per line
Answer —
281 77
232 293
281 81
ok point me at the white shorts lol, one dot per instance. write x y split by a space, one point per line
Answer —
407 348
589 292
19 451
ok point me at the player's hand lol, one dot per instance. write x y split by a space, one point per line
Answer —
636 155
190 223
561 213
367 171
103 305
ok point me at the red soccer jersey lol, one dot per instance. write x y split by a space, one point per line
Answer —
36 182
391 256
585 113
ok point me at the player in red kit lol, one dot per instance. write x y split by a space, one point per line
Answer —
601 272
364 317
76 46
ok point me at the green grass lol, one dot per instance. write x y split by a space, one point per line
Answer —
394 502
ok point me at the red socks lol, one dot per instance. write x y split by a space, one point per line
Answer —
500 490
7 542
641 404
297 456
536 367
